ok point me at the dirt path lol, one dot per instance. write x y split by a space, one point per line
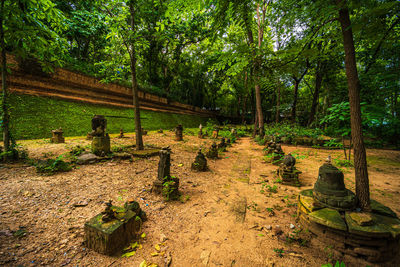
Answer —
228 216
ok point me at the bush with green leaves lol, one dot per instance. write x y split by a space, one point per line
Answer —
337 264
51 166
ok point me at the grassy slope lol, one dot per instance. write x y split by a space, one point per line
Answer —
34 117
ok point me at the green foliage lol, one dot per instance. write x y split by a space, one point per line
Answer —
344 163
51 166
15 153
77 151
279 251
290 131
337 264
169 190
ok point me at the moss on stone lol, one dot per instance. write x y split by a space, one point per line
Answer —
328 217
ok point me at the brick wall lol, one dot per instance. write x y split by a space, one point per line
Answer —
65 84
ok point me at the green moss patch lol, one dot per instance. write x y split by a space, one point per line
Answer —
34 117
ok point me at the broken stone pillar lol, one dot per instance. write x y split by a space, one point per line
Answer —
213 152
287 172
200 162
200 134
101 139
179 133
164 177
57 136
121 133
277 155
215 133
111 230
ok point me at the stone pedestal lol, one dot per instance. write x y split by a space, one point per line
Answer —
179 133
200 162
57 136
364 238
101 145
110 231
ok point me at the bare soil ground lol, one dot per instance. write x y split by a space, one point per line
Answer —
223 218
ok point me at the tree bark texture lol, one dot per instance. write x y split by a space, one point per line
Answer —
278 102
138 125
353 82
295 95
318 83
6 116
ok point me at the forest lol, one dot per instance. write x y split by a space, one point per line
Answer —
285 56
320 79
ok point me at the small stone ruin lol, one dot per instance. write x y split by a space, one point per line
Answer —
215 133
287 172
111 230
179 133
121 133
269 149
200 134
222 145
330 214
200 162
213 151
277 155
164 175
101 139
57 136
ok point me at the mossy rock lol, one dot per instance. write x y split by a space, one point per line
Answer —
100 145
382 226
382 209
328 217
309 204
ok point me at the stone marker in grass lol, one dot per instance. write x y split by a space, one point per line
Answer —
57 136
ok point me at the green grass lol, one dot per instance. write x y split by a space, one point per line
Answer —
34 117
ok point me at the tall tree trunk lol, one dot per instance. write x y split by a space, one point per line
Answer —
318 83
259 111
256 69
244 111
255 124
295 95
138 125
278 102
360 160
6 116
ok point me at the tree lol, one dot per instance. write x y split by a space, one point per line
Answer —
360 159
28 28
124 34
